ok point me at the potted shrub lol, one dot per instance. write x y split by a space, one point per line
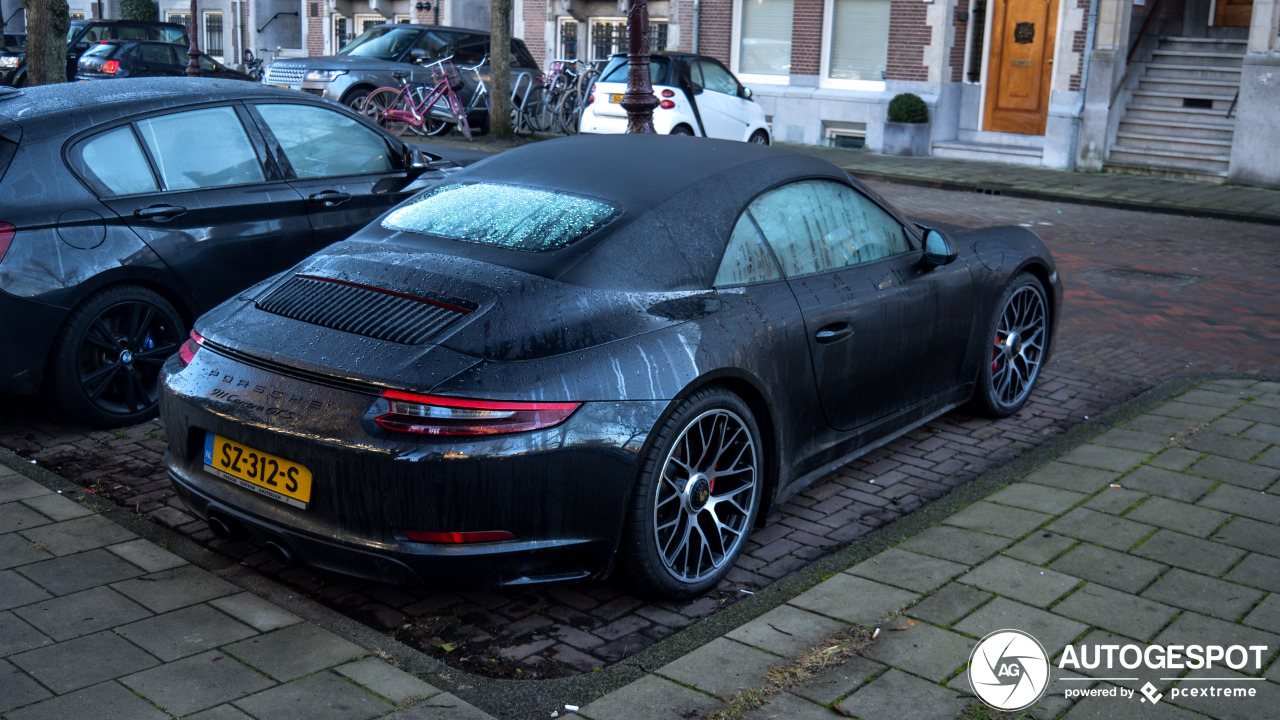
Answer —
907 129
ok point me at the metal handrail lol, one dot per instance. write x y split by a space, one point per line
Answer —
1133 48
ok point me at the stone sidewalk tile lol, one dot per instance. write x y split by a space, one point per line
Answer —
108 700
1174 458
1259 537
1211 398
1020 581
649 697
1104 708
1179 516
197 682
16 487
721 667
839 681
1236 472
1100 528
1121 613
922 649
18 636
81 571
255 612
1261 571
1238 448
1266 616
1103 457
16 516
786 706
1053 631
956 544
1176 485
1190 553
441 707
1107 567
1261 705
853 599
56 506
1191 628
1190 591
949 603
1040 498
78 535
907 570
184 632
17 688
1188 411
997 519
1128 439
1115 500
1072 477
896 695
294 651
390 682
146 555
172 589
82 613
16 590
1239 501
84 661
321 696
785 630
16 550
1041 547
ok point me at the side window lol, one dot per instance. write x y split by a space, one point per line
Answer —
818 225
206 64
130 32
718 79
747 259
695 74
156 54
115 160
324 143
436 45
470 49
201 149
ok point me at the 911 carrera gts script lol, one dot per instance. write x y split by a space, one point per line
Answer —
238 394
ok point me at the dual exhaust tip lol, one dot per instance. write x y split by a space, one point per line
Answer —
229 530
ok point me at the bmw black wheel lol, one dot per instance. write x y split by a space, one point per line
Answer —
107 358
1019 336
697 498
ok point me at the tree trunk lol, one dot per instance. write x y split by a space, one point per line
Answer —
500 68
47 23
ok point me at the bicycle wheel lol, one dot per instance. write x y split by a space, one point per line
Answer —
381 100
567 113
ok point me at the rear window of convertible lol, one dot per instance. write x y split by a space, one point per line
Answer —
506 216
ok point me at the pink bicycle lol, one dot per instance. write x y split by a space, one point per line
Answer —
427 112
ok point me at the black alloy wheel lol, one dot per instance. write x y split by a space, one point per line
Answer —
697 497
1018 339
107 358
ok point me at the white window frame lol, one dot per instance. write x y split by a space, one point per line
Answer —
591 44
560 23
204 33
401 19
358 20
735 51
169 16
824 70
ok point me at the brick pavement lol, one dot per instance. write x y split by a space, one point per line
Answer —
1161 531
1149 297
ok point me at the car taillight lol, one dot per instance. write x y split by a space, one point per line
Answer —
7 232
459 537
591 98
437 415
187 352
666 104
110 67
668 93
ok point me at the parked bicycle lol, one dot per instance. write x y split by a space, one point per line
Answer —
581 76
252 65
413 106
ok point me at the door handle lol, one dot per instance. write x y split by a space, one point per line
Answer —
159 212
330 198
834 332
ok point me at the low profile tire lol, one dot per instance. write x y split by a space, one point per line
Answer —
105 367
681 130
355 99
1017 336
759 137
696 499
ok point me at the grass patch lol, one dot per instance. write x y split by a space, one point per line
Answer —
978 711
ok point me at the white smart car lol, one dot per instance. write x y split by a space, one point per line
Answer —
697 96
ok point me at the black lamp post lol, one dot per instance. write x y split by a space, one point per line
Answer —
193 52
639 100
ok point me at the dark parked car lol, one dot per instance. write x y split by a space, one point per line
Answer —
121 225
371 61
111 59
599 347
83 34
13 55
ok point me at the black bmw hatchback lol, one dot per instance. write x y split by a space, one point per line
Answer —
121 225
113 59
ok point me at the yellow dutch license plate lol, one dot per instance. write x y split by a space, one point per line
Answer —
255 470
616 98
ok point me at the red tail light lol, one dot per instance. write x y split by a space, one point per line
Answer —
437 415
666 104
6 237
591 98
188 351
110 67
668 93
459 537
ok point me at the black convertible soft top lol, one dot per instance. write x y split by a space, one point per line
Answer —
678 197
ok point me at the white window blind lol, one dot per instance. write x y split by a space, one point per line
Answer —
764 47
859 39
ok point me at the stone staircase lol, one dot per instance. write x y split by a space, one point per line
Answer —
1177 123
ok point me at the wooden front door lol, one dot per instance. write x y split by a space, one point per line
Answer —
1236 13
1020 69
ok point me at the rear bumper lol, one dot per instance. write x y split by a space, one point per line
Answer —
562 492
26 334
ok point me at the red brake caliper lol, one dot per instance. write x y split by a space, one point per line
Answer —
995 354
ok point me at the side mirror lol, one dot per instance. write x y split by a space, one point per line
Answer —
938 250
416 162
746 92
417 55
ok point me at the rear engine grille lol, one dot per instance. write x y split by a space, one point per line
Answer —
363 310
289 74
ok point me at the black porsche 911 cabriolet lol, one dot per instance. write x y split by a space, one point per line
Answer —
588 353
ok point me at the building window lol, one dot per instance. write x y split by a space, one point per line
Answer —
856 43
341 33
213 34
402 19
567 45
764 37
76 15
847 135
977 38
609 36
182 18
364 22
